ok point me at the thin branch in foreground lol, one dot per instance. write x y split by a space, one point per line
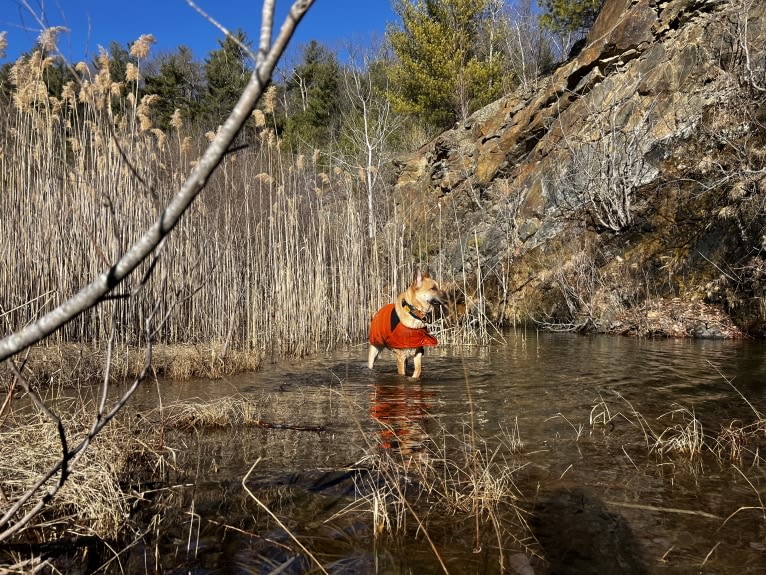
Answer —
94 293
98 290
275 518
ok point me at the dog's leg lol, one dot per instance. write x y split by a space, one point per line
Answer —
401 362
372 355
418 361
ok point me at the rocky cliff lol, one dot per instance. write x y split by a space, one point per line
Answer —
625 193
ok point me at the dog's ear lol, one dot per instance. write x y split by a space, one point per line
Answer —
426 275
417 278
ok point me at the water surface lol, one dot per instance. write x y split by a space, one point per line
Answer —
573 419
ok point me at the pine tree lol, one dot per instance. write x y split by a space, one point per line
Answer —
119 58
227 71
177 79
312 95
443 69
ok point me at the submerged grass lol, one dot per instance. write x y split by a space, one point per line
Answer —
679 433
230 411
413 480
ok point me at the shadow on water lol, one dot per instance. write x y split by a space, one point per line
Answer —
535 456
580 535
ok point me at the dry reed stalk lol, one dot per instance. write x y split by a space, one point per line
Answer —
686 437
448 477
275 259
681 433
68 364
224 412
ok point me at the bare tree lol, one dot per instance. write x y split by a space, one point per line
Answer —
147 248
601 174
754 66
527 46
368 125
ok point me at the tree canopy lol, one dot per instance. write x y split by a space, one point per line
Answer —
443 70
178 80
312 99
227 70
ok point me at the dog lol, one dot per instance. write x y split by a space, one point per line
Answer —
401 326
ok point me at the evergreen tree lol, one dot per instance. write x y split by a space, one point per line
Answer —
227 71
119 58
443 69
312 96
6 88
177 79
57 75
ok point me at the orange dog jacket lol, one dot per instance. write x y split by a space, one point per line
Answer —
387 331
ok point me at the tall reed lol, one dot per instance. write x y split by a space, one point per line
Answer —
275 258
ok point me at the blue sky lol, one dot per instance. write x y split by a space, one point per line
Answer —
173 22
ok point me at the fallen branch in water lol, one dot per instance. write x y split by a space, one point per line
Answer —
291 426
654 508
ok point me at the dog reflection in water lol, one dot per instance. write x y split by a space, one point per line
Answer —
402 411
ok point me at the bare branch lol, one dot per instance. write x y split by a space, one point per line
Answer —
95 292
222 28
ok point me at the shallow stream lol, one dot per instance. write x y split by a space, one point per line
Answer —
586 438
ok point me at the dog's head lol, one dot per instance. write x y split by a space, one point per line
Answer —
427 291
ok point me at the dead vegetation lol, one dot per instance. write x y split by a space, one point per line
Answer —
53 365
680 434
101 491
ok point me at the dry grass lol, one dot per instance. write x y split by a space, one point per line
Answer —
85 174
683 435
94 501
223 412
68 364
447 475
680 434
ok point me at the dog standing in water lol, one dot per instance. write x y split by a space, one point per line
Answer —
401 327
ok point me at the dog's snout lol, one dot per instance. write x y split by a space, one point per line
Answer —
439 297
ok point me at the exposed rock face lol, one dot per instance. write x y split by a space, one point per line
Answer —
634 174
